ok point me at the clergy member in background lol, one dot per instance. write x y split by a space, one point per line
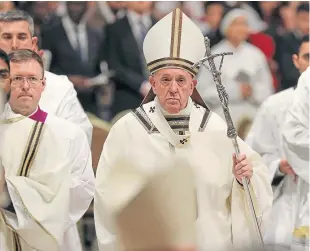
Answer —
59 97
34 167
27 85
296 149
265 137
174 122
245 74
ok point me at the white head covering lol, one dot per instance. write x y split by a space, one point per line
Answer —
256 24
230 17
174 42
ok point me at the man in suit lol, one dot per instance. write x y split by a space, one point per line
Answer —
74 46
289 45
122 49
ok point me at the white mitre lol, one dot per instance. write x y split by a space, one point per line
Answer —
174 42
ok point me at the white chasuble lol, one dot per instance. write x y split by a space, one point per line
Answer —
59 98
145 139
265 137
38 179
82 187
82 181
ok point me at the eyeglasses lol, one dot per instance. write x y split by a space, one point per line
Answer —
19 80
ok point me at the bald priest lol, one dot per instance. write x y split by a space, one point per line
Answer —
173 122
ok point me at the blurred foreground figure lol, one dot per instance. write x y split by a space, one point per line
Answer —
173 123
296 148
39 189
265 137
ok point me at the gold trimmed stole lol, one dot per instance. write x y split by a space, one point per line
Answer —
27 161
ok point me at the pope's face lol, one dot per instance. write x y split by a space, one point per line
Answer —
15 36
27 85
173 87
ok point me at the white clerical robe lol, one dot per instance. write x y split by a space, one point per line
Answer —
39 187
59 98
82 184
265 137
145 140
247 64
296 148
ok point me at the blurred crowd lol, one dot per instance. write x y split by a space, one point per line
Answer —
98 45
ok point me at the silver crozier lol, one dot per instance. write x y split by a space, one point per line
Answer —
231 130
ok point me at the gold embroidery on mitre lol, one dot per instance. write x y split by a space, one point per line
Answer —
172 33
176 31
176 62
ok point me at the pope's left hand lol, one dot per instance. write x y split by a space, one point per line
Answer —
242 167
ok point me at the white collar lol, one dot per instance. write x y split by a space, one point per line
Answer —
82 24
185 112
9 114
33 112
